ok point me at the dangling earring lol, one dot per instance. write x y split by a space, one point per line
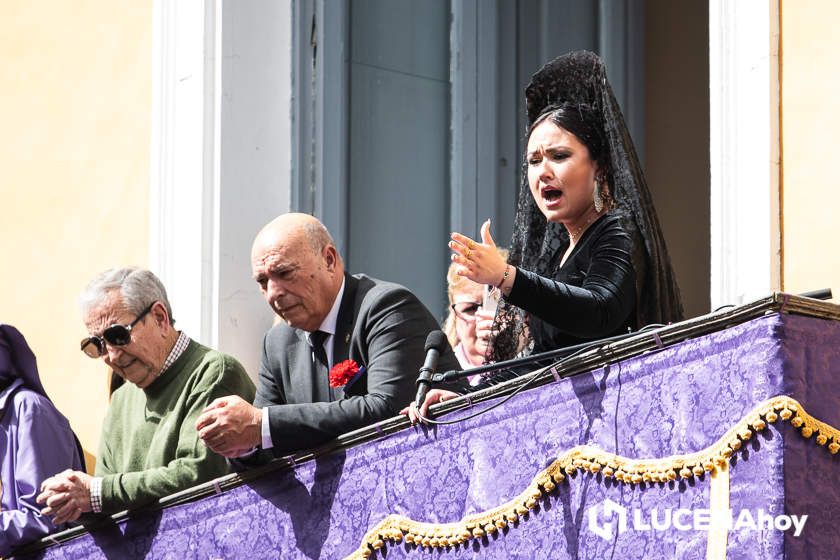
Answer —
597 198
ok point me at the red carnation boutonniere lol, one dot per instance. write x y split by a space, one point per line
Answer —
345 373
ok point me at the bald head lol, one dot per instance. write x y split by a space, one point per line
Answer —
293 226
298 268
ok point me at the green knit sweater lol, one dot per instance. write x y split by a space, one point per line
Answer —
149 446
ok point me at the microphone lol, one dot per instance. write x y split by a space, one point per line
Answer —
435 343
825 293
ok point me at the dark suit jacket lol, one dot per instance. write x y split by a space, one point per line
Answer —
381 326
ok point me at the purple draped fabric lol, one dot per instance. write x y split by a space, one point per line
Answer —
678 400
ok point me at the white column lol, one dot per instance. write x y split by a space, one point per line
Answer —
744 143
221 130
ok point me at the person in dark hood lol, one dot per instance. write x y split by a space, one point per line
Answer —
35 442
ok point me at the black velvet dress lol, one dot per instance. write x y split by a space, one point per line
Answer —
591 296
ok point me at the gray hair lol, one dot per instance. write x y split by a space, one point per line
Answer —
138 287
317 235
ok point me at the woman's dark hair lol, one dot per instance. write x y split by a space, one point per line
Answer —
585 123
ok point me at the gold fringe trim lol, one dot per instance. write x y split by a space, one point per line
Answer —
396 528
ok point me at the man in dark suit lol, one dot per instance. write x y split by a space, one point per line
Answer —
329 317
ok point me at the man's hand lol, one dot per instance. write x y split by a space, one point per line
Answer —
434 396
66 495
230 426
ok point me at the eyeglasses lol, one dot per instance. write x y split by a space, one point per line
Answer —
115 335
466 309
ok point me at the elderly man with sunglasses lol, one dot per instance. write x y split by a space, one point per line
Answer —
149 447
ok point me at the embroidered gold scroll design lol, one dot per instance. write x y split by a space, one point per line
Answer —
583 458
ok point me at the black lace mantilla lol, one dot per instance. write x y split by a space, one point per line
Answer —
580 78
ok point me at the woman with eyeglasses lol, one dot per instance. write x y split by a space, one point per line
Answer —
468 326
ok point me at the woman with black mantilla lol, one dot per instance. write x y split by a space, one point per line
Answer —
587 259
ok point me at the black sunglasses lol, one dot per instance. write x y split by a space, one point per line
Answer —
115 335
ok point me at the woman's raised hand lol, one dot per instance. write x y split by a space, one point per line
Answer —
480 262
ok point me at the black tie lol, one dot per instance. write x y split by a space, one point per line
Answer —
320 367
319 354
